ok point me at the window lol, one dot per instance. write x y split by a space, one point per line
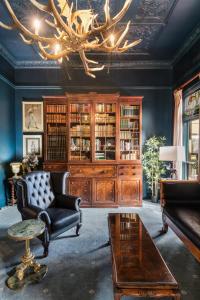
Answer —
191 134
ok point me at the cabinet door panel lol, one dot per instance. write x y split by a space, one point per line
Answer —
105 191
129 192
81 188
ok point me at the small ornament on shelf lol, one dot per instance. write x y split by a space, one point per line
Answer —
29 162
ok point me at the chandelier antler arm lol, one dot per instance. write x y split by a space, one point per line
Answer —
59 18
126 47
24 30
42 7
110 22
25 40
85 62
5 26
52 56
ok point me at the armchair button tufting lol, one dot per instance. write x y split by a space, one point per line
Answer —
33 194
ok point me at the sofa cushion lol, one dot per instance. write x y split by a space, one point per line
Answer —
61 217
187 219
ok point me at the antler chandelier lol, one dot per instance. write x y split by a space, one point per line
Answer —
74 31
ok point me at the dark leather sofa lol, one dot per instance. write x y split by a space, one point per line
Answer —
43 195
180 201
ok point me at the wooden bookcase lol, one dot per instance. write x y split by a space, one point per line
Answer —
97 138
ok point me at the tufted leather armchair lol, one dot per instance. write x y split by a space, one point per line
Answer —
42 195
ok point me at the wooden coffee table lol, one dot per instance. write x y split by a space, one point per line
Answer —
138 268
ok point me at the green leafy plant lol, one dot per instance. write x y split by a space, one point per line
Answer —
152 166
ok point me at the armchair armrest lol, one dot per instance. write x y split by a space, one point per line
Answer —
68 201
35 212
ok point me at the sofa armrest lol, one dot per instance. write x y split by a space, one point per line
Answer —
180 192
68 201
34 212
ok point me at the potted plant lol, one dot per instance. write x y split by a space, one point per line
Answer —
152 166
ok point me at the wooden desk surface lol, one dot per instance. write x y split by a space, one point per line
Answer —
137 262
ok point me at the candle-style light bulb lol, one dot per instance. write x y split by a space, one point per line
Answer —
112 40
37 25
57 48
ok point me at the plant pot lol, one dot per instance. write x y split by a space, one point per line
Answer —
155 198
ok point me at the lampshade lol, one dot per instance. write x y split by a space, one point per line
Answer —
172 153
15 168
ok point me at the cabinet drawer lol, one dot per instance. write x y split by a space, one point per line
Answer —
129 170
54 167
94 171
81 188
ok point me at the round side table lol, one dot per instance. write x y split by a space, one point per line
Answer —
29 271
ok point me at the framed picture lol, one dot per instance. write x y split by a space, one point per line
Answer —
32 116
32 144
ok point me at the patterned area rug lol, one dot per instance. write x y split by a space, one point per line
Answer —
80 267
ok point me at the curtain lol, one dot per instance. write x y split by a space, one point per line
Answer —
178 127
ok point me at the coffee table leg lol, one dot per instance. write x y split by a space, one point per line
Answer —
177 297
117 294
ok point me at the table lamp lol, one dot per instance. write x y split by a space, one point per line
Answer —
15 166
173 154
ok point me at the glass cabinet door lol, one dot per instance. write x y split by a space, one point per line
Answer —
129 132
56 132
105 131
80 140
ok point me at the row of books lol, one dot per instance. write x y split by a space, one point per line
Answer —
129 135
104 130
127 146
55 118
129 110
130 156
56 109
102 107
80 130
56 129
105 118
56 141
99 155
126 123
81 108
53 154
77 118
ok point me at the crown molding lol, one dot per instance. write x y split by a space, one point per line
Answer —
7 56
92 88
4 79
187 45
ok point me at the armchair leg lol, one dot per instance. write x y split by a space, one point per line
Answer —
45 243
78 229
46 248
165 225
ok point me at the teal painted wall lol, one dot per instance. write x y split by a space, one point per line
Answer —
7 134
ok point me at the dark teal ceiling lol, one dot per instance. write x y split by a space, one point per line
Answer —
165 26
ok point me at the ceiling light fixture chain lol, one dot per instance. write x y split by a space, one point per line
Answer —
74 31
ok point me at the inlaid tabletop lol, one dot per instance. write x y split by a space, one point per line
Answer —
26 230
136 260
